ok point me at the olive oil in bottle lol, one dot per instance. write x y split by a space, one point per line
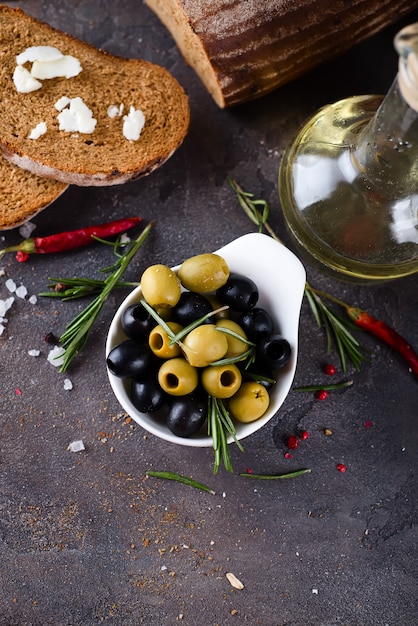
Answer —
348 184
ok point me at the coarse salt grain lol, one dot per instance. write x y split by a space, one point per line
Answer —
33 299
68 385
34 352
27 229
21 292
56 356
5 305
76 446
10 285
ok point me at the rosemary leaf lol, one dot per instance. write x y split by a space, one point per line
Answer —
276 476
77 331
181 479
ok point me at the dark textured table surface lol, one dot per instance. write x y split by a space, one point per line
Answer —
86 538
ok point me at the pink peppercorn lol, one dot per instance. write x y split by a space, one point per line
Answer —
303 435
292 442
22 256
321 395
330 369
288 455
367 424
341 468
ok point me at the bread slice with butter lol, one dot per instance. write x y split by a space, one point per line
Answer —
23 195
79 115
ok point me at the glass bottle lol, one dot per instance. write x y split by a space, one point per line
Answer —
348 184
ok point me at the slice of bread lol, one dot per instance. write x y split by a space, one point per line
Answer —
104 156
23 195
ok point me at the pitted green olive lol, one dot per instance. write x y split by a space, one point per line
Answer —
160 286
159 341
204 272
204 345
177 377
221 381
235 346
250 402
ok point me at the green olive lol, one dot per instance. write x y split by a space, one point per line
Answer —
177 377
159 341
221 381
160 286
204 345
235 346
250 402
204 272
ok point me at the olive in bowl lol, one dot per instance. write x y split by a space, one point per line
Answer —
280 279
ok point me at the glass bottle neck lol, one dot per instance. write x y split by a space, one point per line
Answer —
388 144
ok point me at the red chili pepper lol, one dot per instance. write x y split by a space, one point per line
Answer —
68 240
385 333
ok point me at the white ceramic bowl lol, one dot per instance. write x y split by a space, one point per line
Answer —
280 278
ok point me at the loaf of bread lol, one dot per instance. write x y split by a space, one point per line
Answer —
112 120
23 195
243 50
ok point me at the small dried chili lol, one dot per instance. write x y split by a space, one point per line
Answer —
385 333
69 240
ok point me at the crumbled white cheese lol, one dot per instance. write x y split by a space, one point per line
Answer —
76 446
34 352
38 53
115 111
67 66
77 117
38 131
62 103
24 81
55 356
133 124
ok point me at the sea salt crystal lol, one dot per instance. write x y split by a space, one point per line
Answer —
10 285
5 305
21 292
55 356
76 446
33 299
34 352
27 229
68 384
2 329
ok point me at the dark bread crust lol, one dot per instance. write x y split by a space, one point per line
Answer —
243 50
104 157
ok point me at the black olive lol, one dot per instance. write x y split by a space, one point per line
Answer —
274 350
190 308
147 395
136 322
256 322
129 359
187 414
239 293
261 373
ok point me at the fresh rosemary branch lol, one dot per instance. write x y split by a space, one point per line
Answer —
337 328
181 479
220 424
77 331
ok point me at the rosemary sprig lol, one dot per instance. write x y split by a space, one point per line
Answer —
220 424
333 387
73 288
276 476
181 479
337 328
77 331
